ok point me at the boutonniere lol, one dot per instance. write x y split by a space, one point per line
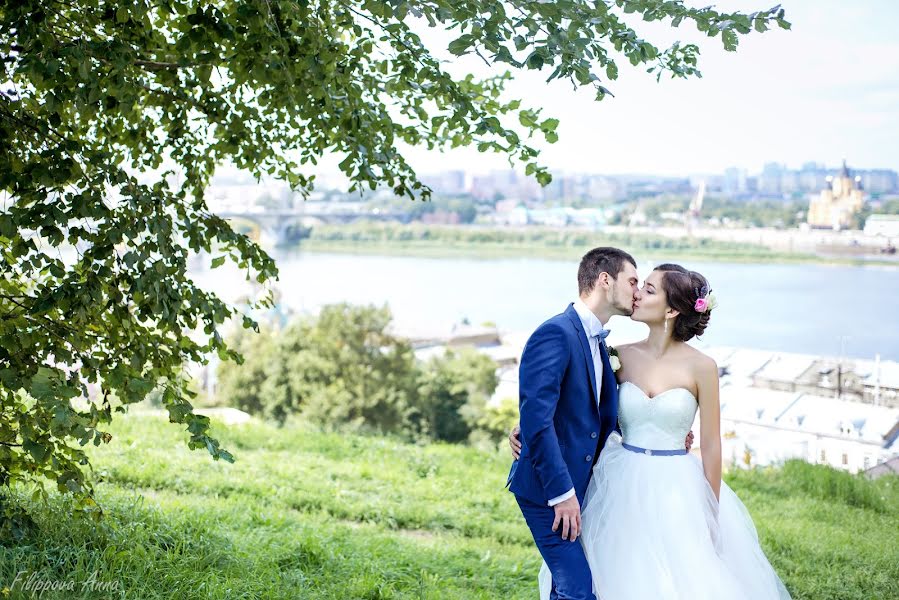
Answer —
614 359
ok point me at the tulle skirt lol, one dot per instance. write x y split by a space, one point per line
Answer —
653 530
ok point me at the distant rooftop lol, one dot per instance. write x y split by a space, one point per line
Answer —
890 467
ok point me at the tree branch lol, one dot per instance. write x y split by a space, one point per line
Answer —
154 65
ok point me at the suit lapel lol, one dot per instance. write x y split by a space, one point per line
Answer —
585 346
609 383
606 369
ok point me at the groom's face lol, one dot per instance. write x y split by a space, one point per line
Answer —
624 289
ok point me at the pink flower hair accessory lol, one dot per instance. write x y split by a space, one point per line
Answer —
705 300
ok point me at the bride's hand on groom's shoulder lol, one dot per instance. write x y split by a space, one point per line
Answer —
515 441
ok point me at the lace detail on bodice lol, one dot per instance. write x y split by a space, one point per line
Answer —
658 423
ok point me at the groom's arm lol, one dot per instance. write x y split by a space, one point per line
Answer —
543 363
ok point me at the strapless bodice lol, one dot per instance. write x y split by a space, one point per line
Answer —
658 423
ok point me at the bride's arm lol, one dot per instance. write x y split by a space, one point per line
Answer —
710 423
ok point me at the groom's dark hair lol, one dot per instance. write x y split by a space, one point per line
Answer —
598 260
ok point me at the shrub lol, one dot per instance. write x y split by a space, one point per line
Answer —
452 394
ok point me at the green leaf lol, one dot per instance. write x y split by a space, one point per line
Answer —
460 45
534 60
528 118
549 125
612 71
39 451
730 39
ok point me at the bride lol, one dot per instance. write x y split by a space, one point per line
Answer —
658 523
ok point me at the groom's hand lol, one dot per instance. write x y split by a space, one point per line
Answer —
568 514
689 441
515 442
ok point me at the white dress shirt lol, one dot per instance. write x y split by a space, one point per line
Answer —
592 326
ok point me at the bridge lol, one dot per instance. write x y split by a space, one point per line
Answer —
289 226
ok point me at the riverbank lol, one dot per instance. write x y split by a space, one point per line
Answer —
545 243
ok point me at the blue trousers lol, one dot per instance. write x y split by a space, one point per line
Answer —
571 579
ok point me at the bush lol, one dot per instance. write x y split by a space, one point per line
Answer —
342 370
833 485
253 386
346 370
453 393
494 423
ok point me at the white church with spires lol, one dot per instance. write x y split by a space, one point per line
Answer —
835 207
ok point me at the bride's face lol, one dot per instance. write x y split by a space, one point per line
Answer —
651 304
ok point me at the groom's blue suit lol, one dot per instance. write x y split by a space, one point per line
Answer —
563 430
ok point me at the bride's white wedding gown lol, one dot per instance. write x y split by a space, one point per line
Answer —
651 526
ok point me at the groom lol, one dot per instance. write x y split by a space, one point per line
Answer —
568 406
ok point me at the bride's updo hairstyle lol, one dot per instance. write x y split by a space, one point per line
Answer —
682 288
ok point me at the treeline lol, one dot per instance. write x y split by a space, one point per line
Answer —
343 370
466 208
531 237
746 213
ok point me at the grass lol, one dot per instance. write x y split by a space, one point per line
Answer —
306 514
434 241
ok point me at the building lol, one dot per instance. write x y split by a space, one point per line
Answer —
779 406
879 181
812 177
734 181
510 212
452 183
763 427
880 379
790 182
856 380
890 467
885 225
770 179
835 207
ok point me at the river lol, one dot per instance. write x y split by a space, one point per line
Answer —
812 309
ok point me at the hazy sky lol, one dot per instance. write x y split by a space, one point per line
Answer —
825 90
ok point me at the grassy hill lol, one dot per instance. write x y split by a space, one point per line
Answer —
306 514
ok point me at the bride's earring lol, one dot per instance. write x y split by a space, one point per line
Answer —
666 324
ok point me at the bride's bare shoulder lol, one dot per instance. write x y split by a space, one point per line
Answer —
701 362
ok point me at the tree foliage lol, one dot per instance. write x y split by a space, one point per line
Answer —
114 116
344 370
453 394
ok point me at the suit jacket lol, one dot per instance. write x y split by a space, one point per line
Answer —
563 427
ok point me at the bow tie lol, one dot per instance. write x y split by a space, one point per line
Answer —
603 334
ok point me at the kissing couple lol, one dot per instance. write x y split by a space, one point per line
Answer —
601 451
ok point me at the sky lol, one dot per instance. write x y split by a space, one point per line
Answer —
826 90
